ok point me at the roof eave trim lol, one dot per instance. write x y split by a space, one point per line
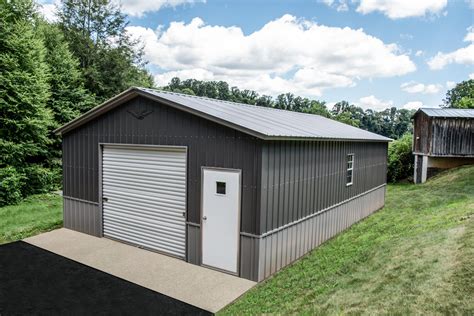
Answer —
387 140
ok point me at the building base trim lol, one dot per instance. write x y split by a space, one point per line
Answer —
83 216
282 247
318 213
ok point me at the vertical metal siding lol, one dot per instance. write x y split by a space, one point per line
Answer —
302 178
193 244
209 144
82 216
276 251
249 256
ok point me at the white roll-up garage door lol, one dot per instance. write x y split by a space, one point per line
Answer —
144 196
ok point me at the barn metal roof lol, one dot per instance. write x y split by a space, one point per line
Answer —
261 122
438 112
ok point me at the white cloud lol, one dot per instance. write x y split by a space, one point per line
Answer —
397 9
419 53
463 55
48 10
139 7
311 58
339 5
414 87
327 2
343 7
371 102
450 84
471 76
413 105
470 34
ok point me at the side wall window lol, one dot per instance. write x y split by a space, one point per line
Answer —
350 169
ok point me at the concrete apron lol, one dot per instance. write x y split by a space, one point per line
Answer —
205 288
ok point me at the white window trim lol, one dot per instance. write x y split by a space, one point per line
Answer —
351 169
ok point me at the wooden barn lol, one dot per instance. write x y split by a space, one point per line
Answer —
443 138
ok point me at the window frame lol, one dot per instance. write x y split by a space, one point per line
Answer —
217 188
350 169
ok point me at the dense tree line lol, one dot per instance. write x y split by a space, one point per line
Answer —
393 122
52 72
49 74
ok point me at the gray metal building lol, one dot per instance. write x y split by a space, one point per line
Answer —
443 139
234 187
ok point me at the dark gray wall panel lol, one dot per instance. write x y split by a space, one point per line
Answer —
82 216
302 178
249 250
193 244
209 144
286 244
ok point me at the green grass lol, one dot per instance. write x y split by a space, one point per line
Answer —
36 214
415 256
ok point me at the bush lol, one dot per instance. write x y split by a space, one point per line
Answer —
11 182
40 180
400 159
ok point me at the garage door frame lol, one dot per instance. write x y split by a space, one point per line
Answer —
100 184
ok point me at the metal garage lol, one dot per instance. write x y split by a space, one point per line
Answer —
234 187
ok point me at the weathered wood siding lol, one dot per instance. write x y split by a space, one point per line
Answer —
452 137
422 133
443 136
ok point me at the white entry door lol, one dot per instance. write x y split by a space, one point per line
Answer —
220 218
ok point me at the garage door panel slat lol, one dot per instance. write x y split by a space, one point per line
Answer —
131 237
145 183
163 210
115 211
139 171
146 196
158 232
153 200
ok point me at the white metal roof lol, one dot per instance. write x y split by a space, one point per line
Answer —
262 122
448 112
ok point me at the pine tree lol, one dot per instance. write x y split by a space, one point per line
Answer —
110 60
68 97
24 91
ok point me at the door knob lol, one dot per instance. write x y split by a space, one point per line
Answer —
204 218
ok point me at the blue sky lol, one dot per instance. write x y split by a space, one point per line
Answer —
374 53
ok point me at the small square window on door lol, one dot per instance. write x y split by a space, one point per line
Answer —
220 187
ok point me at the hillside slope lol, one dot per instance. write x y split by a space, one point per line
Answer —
412 257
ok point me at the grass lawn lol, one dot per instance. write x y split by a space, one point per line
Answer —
415 256
36 214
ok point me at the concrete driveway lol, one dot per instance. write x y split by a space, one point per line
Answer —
205 288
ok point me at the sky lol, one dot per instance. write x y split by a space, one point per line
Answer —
372 53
